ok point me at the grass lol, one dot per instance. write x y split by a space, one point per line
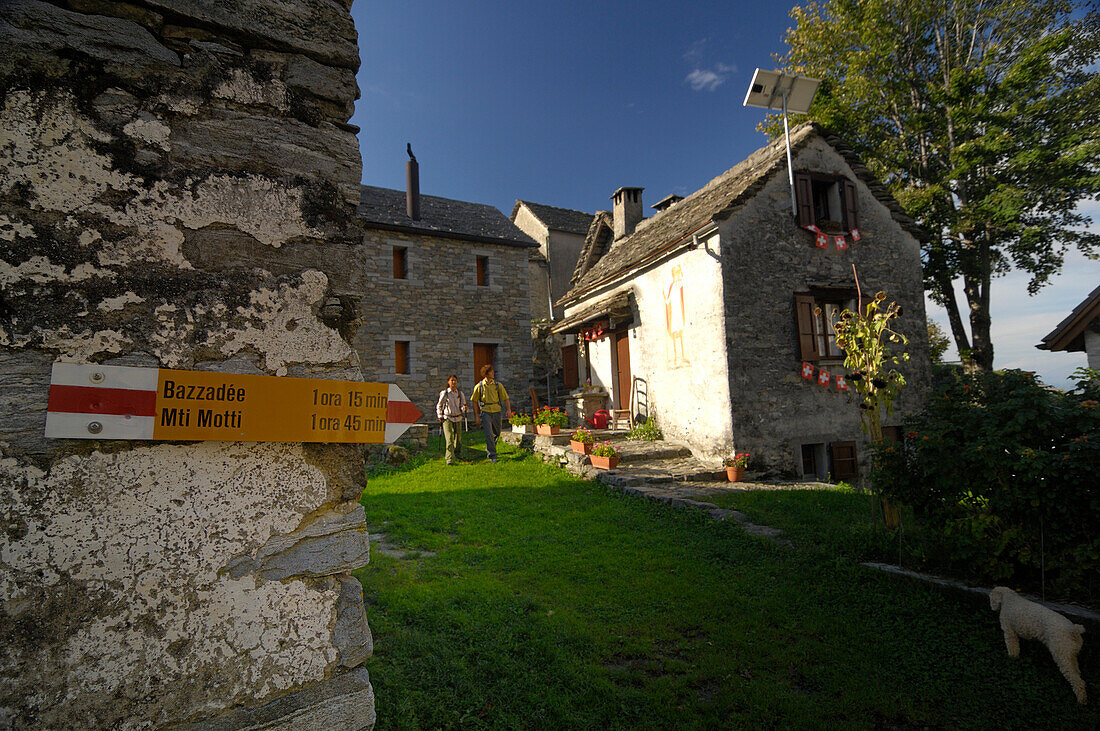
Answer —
531 599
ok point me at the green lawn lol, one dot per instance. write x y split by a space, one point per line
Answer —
536 600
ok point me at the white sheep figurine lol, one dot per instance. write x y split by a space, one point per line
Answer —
1023 618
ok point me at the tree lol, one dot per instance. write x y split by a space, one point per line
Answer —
983 119
938 342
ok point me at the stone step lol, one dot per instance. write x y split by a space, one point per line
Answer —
665 470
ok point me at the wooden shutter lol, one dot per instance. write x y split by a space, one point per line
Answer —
851 205
845 463
804 313
401 357
569 378
804 197
400 262
484 354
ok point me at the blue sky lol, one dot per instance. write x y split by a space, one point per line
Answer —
563 102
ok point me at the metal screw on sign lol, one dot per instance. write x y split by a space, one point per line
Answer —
96 377
95 427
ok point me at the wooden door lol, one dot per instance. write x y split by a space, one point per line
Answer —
569 376
622 373
484 354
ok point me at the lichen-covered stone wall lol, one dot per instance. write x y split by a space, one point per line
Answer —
178 185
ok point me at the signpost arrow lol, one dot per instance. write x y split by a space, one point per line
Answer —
122 402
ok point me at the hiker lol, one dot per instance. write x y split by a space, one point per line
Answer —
451 409
488 396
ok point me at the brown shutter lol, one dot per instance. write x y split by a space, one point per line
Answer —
400 262
401 357
851 205
482 271
804 313
845 464
804 197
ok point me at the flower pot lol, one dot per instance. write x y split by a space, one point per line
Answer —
523 428
548 430
581 447
603 463
735 473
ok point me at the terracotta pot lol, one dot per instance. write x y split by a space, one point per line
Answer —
581 447
603 463
548 430
735 473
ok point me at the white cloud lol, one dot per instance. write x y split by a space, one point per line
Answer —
709 79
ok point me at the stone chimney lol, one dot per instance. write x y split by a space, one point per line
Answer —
627 210
412 185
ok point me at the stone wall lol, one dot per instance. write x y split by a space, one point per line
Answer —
766 261
178 184
440 310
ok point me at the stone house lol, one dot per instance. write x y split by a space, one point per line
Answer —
560 234
1080 331
444 289
708 314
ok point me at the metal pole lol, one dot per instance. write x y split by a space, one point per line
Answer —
790 165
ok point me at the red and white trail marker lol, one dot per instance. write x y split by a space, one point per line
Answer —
122 402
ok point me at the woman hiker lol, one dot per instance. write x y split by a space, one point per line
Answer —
488 396
451 409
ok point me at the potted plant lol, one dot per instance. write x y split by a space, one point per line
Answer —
604 456
582 441
735 466
550 420
521 423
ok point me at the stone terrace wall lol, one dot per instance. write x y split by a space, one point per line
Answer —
178 182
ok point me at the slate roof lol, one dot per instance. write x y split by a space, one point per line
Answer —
716 201
383 208
557 219
1069 334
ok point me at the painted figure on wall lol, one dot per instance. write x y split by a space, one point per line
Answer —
675 316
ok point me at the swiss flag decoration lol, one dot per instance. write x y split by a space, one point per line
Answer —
821 239
823 377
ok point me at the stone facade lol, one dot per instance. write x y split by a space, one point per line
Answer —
714 346
441 311
178 185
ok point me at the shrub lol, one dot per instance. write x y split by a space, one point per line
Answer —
518 419
551 416
647 431
1005 469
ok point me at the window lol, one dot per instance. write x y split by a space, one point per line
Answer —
844 461
483 271
816 312
829 202
400 262
401 357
